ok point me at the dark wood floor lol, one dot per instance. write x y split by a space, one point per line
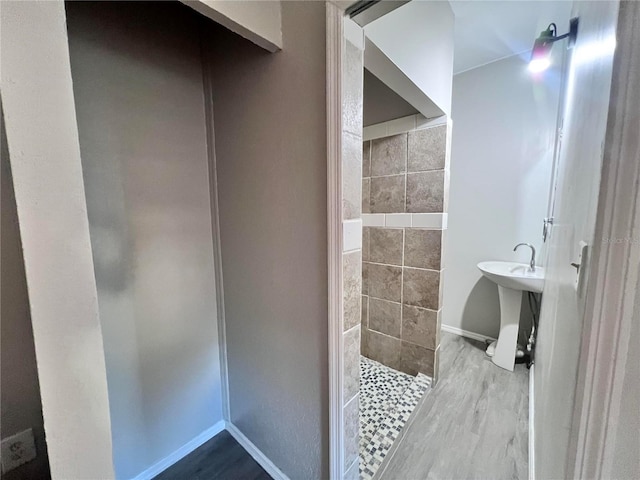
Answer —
221 458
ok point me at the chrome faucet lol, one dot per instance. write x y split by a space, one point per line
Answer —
532 263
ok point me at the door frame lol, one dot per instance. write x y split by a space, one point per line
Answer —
614 281
335 33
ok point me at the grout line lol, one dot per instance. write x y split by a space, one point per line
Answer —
406 173
403 304
389 175
402 266
385 300
434 122
402 278
346 331
351 399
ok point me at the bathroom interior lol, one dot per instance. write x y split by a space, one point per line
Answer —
457 188
202 159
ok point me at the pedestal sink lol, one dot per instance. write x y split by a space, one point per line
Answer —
512 279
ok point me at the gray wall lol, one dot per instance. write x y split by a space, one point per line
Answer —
21 406
138 87
270 126
504 124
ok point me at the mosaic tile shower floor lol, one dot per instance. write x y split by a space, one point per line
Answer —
387 398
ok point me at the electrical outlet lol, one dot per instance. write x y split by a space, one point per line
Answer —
17 450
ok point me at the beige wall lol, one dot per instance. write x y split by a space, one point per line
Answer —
403 268
141 118
270 134
21 406
42 136
561 318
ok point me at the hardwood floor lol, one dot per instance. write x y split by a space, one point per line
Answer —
472 425
221 458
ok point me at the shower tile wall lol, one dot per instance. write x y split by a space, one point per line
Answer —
352 88
402 268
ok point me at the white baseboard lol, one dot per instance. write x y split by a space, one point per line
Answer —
466 333
256 453
180 453
532 435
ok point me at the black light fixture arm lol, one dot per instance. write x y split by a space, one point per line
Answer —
550 35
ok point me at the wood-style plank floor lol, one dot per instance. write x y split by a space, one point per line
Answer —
221 458
472 425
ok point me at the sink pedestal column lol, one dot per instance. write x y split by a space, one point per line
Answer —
510 303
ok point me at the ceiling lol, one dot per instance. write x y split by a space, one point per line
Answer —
487 30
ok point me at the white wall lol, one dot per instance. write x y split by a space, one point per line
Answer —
418 38
561 319
257 21
38 104
271 137
141 117
502 152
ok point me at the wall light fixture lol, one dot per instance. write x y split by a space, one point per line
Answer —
541 53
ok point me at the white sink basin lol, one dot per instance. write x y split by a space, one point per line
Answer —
514 275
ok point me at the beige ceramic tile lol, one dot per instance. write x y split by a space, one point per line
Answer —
351 430
439 326
352 86
387 194
353 473
352 288
351 363
365 244
420 326
385 245
385 317
365 311
421 288
389 155
443 243
385 282
422 248
365 278
366 158
415 359
436 367
427 149
366 195
364 341
425 192
351 177
384 349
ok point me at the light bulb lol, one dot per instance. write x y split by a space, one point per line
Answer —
537 65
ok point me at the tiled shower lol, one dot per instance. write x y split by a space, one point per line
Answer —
394 182
404 204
